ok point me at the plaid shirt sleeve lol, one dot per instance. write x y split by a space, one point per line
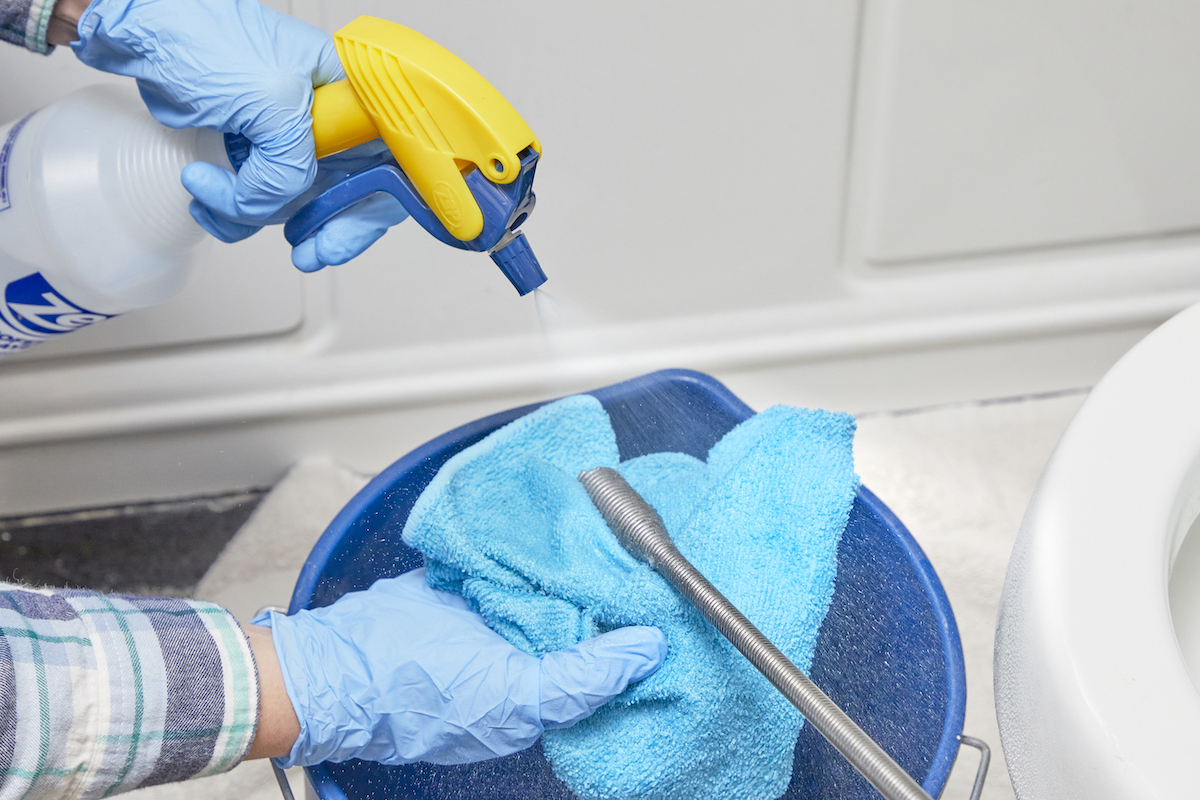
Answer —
25 22
101 694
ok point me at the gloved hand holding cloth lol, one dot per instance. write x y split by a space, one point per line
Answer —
402 672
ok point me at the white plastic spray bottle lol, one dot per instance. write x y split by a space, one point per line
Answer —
93 218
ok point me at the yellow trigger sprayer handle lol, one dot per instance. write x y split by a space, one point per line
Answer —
439 117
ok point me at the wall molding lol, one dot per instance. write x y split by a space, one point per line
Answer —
331 384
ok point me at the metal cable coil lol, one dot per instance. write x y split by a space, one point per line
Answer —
641 532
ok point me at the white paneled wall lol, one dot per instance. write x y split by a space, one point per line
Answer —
1002 127
857 206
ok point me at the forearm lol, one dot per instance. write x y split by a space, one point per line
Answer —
64 22
278 725
104 694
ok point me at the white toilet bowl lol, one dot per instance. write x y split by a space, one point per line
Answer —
1098 643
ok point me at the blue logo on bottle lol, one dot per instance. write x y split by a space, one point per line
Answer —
5 155
32 311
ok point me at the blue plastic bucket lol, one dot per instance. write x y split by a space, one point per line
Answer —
888 652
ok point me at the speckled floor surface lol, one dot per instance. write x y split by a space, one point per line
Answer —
959 477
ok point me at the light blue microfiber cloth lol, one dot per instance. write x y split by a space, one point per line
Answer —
506 524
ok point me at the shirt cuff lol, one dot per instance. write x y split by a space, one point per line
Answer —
113 693
37 25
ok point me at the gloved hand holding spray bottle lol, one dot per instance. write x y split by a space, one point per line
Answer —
91 221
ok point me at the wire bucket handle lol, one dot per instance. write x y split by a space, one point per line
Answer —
985 758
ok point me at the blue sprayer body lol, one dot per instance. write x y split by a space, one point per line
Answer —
505 208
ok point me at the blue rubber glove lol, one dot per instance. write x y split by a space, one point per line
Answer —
348 234
402 673
238 67
339 240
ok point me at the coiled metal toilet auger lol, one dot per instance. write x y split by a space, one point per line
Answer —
641 532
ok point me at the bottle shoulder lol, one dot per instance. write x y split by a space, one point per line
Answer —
105 190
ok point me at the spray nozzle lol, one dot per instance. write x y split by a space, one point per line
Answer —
516 260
